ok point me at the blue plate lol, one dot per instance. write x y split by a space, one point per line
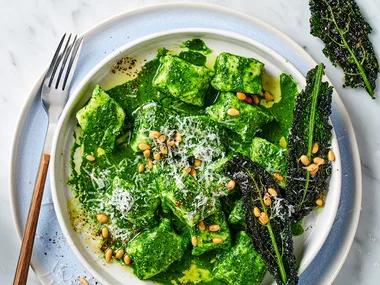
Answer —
53 261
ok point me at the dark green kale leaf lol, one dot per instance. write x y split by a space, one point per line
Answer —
272 237
343 29
310 125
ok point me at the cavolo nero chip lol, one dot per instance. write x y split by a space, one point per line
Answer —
270 233
310 125
343 29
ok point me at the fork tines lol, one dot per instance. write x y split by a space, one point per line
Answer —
63 60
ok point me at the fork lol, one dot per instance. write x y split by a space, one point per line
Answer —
54 95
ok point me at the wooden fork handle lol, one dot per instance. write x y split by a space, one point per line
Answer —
22 269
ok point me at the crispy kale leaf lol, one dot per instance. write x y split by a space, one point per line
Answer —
310 125
343 29
272 237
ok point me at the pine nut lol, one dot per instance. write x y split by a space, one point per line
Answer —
256 100
231 185
263 218
83 281
233 112
319 202
248 100
109 254
147 153
305 160
90 157
154 135
319 161
157 156
201 226
241 96
278 177
164 149
172 143
314 171
162 138
194 241
331 155
101 218
127 260
119 254
268 96
150 163
141 168
144 146
312 167
214 228
272 192
178 137
261 94
186 170
267 200
193 173
197 162
217 240
105 232
315 148
256 212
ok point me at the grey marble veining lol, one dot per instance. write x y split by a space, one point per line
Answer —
29 31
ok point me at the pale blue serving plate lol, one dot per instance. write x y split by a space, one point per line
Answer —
53 261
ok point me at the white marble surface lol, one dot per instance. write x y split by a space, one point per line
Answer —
29 31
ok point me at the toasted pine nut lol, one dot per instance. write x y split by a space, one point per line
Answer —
319 202
105 232
331 155
261 94
186 170
268 96
272 192
315 148
256 99
201 226
194 241
256 212
157 156
267 200
233 112
172 143
144 146
248 100
263 218
241 96
278 177
141 168
119 254
101 218
83 281
197 162
305 160
154 135
231 185
147 153
217 240
314 171
109 254
213 228
127 260
150 163
319 160
90 157
178 137
193 173
164 149
162 138
312 167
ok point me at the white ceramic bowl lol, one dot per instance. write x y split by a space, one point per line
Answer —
318 224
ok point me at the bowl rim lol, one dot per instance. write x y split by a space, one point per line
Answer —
76 95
